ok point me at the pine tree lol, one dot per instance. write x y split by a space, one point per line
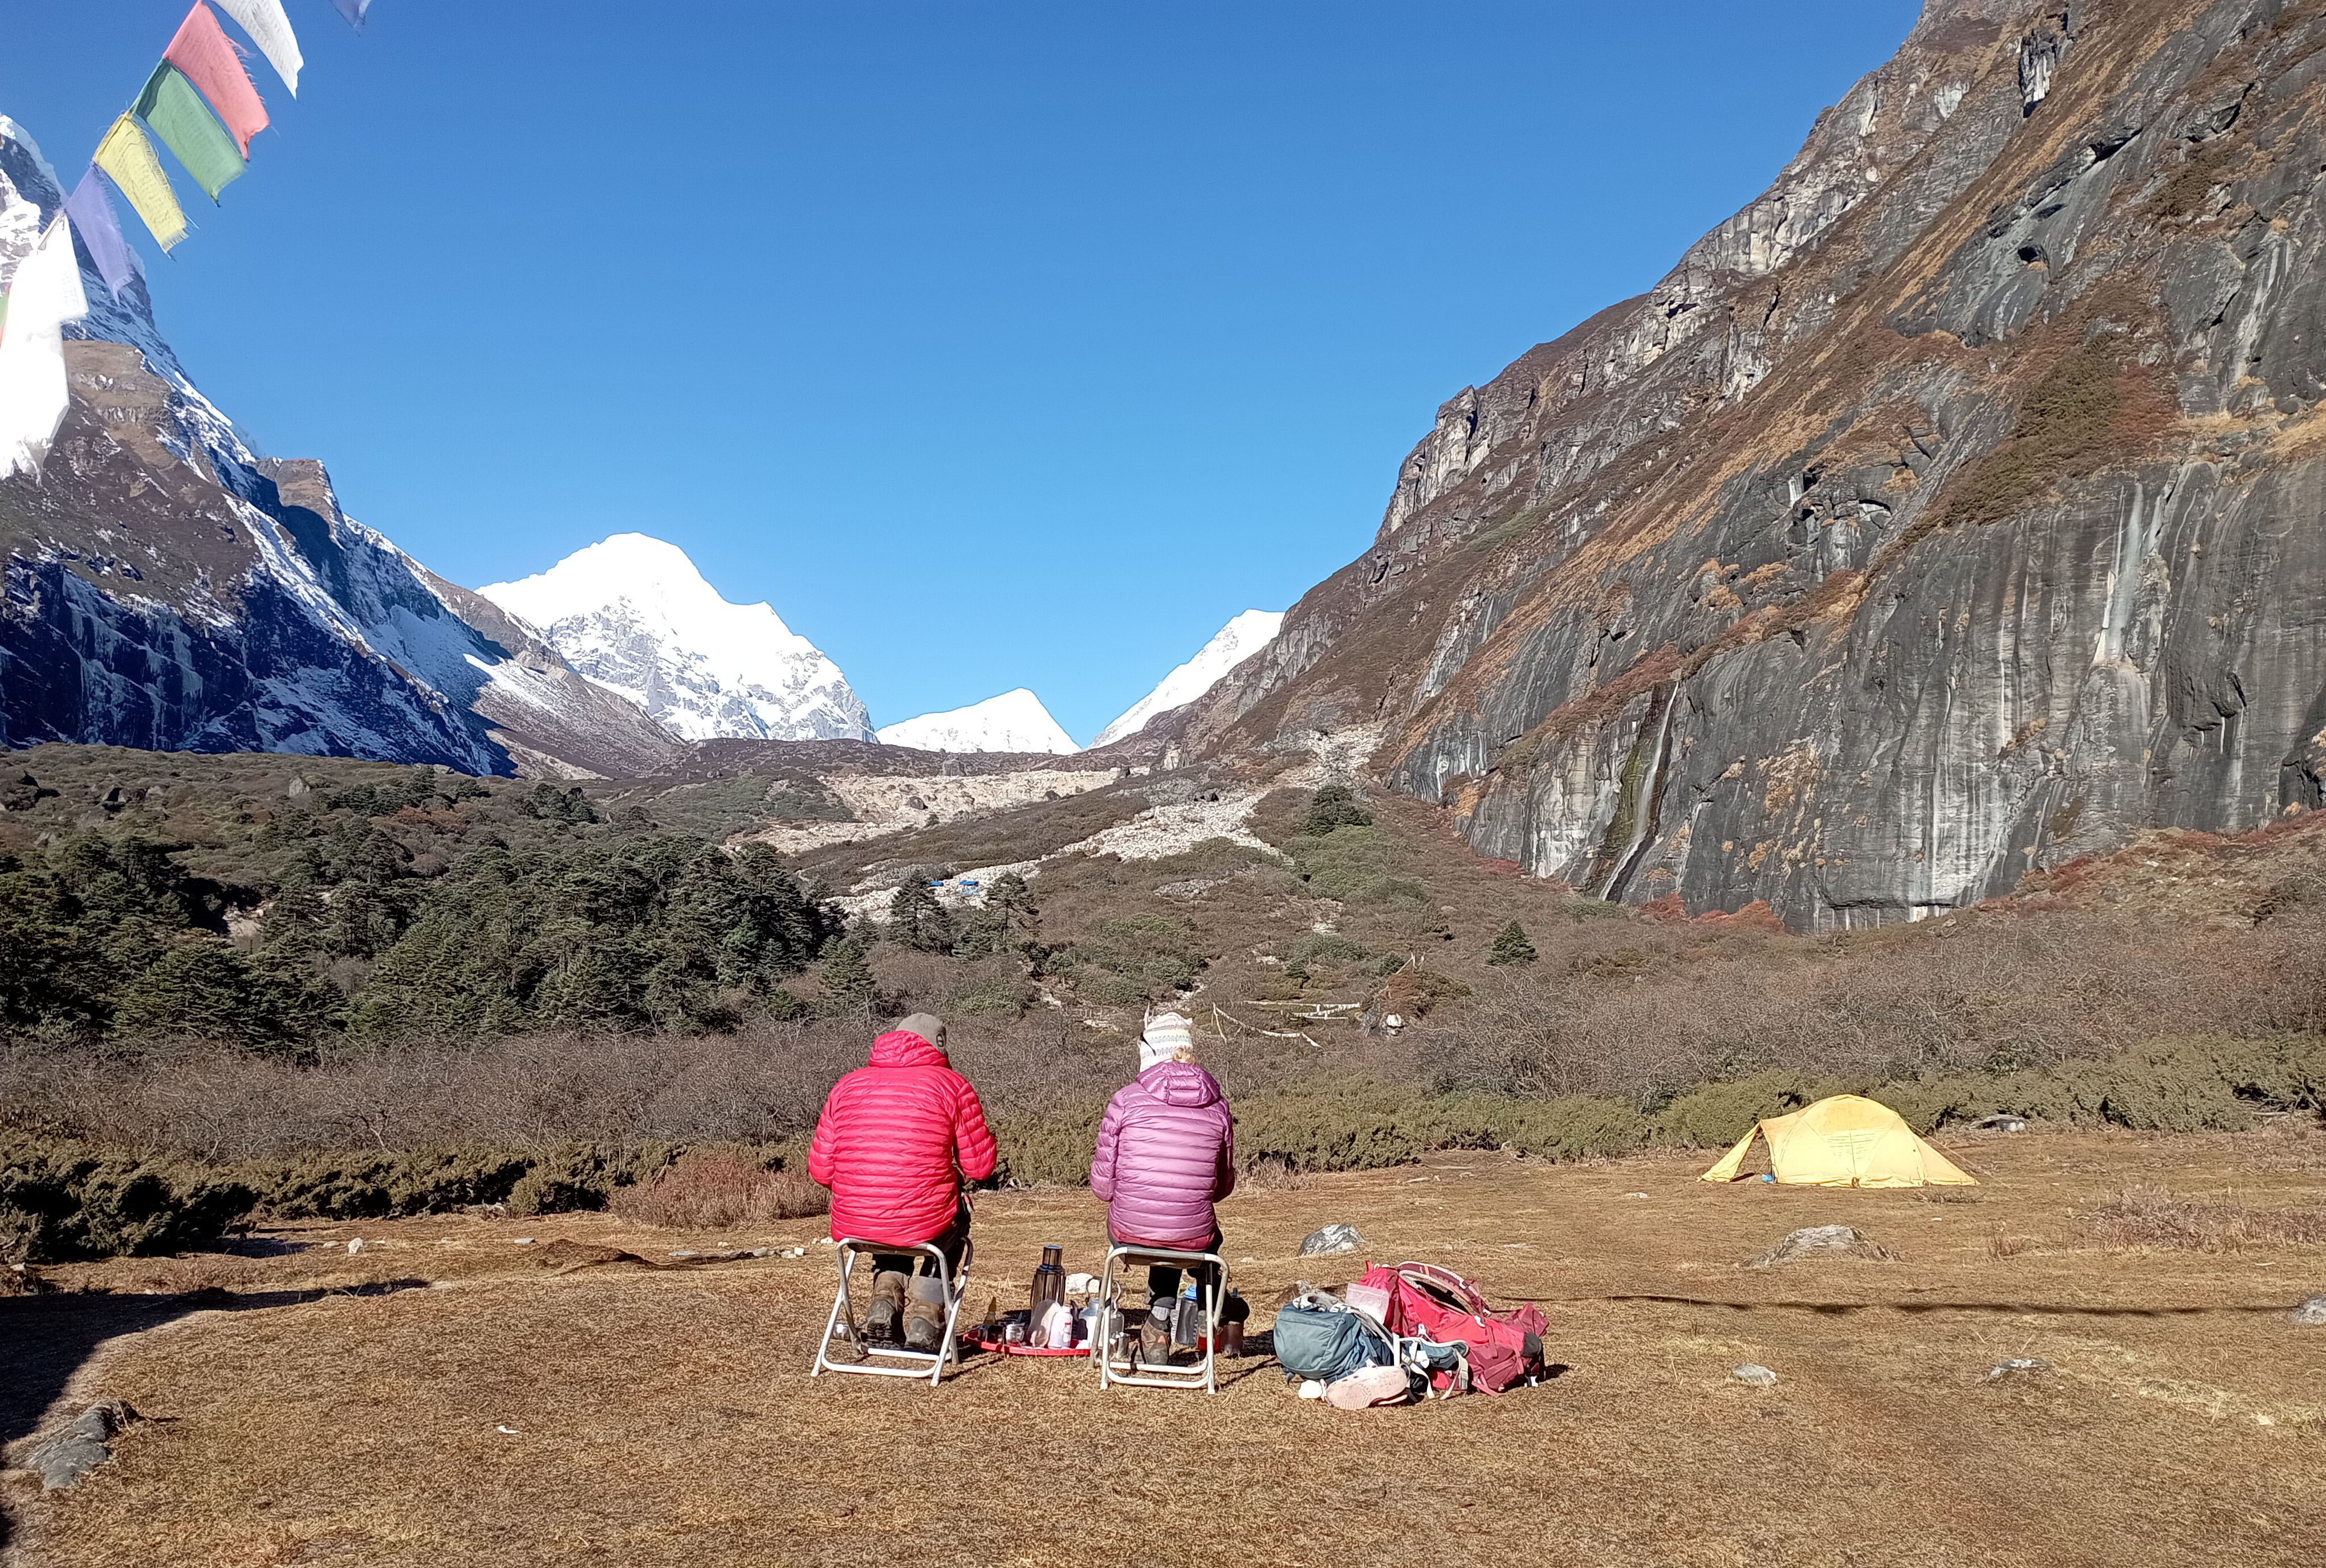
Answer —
1013 901
916 920
1009 921
846 980
1512 946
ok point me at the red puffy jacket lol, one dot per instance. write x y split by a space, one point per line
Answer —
895 1140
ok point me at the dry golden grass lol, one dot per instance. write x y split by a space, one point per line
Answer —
666 1417
2154 1219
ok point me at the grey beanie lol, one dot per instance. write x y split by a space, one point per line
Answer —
927 1026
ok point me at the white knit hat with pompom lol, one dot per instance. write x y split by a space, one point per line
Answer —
1167 1037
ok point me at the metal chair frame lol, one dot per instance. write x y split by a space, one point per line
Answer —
928 1364
1205 1373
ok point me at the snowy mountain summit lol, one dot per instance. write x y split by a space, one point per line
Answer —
1013 721
1237 641
634 615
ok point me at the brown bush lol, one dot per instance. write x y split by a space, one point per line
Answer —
716 1190
2163 1221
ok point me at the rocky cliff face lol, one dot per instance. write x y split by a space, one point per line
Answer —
1952 510
168 589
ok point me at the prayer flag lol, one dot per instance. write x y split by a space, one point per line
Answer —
353 10
128 158
271 31
44 294
101 231
174 111
200 50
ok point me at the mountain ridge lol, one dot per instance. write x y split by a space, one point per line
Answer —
1013 721
169 588
1244 635
632 614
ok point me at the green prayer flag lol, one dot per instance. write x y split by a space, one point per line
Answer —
173 109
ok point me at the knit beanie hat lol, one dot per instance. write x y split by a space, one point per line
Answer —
1167 1037
927 1026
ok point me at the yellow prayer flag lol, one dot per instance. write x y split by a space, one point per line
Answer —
128 157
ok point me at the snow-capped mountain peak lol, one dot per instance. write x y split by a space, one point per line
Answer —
634 615
1013 721
1237 641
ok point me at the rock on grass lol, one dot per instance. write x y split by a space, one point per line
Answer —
68 1454
1834 1238
1331 1238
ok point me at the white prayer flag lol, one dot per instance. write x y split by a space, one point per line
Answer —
271 31
43 295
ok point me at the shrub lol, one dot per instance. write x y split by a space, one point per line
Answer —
2062 431
1333 807
1718 1114
380 1186
1411 990
1054 1145
63 1199
1580 1127
1134 958
1330 947
1512 946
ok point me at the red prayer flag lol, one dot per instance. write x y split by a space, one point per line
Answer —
210 62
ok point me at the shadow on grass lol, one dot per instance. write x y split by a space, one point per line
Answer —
44 1340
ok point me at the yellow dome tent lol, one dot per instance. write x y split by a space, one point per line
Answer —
1846 1141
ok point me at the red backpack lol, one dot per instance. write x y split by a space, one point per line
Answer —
1502 1348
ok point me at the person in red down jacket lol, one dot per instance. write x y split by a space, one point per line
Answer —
896 1140
1166 1155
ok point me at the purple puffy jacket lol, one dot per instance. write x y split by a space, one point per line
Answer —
1166 1155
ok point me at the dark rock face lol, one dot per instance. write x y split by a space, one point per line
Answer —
1953 510
167 588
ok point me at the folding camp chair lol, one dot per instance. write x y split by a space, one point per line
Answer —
1125 1367
929 1364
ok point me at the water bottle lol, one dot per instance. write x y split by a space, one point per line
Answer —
1233 1313
1049 1288
1187 1322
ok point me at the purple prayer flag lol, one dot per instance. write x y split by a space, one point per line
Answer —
353 10
93 219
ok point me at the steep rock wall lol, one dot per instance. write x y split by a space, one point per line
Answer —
1953 510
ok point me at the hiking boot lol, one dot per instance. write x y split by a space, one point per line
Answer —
1155 1337
924 1315
888 1305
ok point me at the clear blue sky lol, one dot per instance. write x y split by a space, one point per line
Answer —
994 344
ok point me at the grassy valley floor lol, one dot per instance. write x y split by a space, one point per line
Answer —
665 1416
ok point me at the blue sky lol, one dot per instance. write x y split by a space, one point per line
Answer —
994 344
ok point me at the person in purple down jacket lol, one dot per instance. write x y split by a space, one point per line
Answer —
1166 1155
